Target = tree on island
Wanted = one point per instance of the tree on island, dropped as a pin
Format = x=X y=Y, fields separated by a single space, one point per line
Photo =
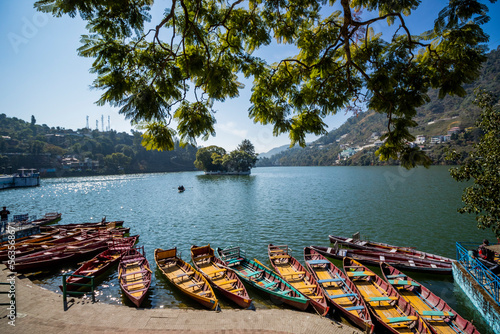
x=199 y=48
x=483 y=197
x=215 y=159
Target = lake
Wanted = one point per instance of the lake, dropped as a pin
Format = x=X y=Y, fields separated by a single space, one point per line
x=297 y=206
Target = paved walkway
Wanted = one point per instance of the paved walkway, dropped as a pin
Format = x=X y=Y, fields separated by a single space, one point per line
x=41 y=311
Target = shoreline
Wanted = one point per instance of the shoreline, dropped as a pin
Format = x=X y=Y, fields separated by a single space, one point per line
x=42 y=311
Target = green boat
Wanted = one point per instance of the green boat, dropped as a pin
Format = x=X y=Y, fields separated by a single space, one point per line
x=262 y=278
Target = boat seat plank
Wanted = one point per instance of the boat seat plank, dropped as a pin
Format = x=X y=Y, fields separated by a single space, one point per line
x=294 y=273
x=217 y=271
x=359 y=273
x=185 y=274
x=401 y=319
x=354 y=308
x=280 y=257
x=437 y=313
x=236 y=290
x=202 y=257
x=315 y=297
x=328 y=280
x=195 y=284
x=396 y=276
x=231 y=281
x=403 y=282
x=270 y=284
x=134 y=273
x=307 y=286
x=343 y=295
x=380 y=299
x=318 y=262
x=255 y=273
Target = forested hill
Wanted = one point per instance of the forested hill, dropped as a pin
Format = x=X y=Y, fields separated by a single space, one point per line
x=356 y=140
x=55 y=151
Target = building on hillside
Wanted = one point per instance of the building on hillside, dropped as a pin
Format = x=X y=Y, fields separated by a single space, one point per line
x=436 y=139
x=420 y=139
x=454 y=130
x=349 y=152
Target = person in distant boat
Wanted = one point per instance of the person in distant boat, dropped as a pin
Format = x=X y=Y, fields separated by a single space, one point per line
x=180 y=188
x=4 y=217
x=484 y=252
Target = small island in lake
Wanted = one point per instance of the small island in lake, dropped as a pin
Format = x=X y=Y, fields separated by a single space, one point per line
x=214 y=160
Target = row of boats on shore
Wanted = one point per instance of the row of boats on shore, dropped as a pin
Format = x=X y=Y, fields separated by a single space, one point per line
x=394 y=300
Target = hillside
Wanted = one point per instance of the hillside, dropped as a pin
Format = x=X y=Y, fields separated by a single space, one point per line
x=58 y=152
x=355 y=142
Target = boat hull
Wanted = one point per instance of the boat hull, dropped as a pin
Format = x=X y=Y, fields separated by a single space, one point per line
x=297 y=276
x=212 y=268
x=374 y=258
x=185 y=278
x=134 y=275
x=264 y=280
x=436 y=312
x=325 y=271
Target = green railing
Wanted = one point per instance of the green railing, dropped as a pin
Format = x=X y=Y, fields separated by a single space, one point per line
x=482 y=274
x=77 y=293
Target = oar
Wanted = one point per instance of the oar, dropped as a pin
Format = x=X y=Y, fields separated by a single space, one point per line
x=263 y=265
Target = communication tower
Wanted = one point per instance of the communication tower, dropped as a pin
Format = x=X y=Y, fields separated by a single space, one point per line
x=87 y=122
x=102 y=123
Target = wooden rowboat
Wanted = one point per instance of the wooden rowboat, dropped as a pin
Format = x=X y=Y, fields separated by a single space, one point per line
x=341 y=292
x=434 y=310
x=294 y=273
x=48 y=218
x=382 y=247
x=262 y=278
x=222 y=279
x=134 y=275
x=185 y=278
x=374 y=258
x=100 y=263
x=386 y=305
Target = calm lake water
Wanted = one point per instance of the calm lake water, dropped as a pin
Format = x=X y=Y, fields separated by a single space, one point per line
x=298 y=206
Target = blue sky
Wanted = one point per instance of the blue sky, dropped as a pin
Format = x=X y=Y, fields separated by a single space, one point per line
x=42 y=75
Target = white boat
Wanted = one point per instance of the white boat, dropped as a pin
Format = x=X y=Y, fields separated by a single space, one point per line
x=24 y=178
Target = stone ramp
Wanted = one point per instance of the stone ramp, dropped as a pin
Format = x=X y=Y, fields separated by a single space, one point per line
x=41 y=311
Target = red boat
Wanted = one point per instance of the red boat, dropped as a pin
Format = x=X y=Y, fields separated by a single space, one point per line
x=134 y=275
x=434 y=310
x=390 y=309
x=374 y=258
x=100 y=263
x=223 y=280
x=382 y=247
x=341 y=293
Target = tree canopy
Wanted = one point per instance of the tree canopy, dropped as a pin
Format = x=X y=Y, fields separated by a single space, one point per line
x=194 y=55
x=215 y=159
x=483 y=196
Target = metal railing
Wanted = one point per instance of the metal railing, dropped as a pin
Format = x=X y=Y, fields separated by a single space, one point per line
x=77 y=293
x=486 y=279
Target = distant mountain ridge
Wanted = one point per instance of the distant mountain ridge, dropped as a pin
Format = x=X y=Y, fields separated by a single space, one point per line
x=434 y=119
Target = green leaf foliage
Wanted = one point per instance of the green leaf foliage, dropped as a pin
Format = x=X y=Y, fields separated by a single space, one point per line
x=193 y=57
x=482 y=167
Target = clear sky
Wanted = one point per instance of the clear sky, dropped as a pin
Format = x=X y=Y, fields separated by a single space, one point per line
x=42 y=75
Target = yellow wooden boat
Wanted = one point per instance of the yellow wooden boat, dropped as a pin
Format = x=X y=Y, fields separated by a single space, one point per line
x=184 y=277
x=386 y=305
x=434 y=310
x=294 y=273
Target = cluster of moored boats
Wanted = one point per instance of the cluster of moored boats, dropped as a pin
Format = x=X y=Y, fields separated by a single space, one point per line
x=394 y=300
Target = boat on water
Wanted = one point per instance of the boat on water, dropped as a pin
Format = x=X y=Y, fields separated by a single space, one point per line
x=292 y=271
x=100 y=263
x=374 y=258
x=222 y=279
x=390 y=309
x=48 y=218
x=134 y=275
x=341 y=292
x=262 y=278
x=383 y=247
x=23 y=178
x=434 y=310
x=184 y=277
x=181 y=189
